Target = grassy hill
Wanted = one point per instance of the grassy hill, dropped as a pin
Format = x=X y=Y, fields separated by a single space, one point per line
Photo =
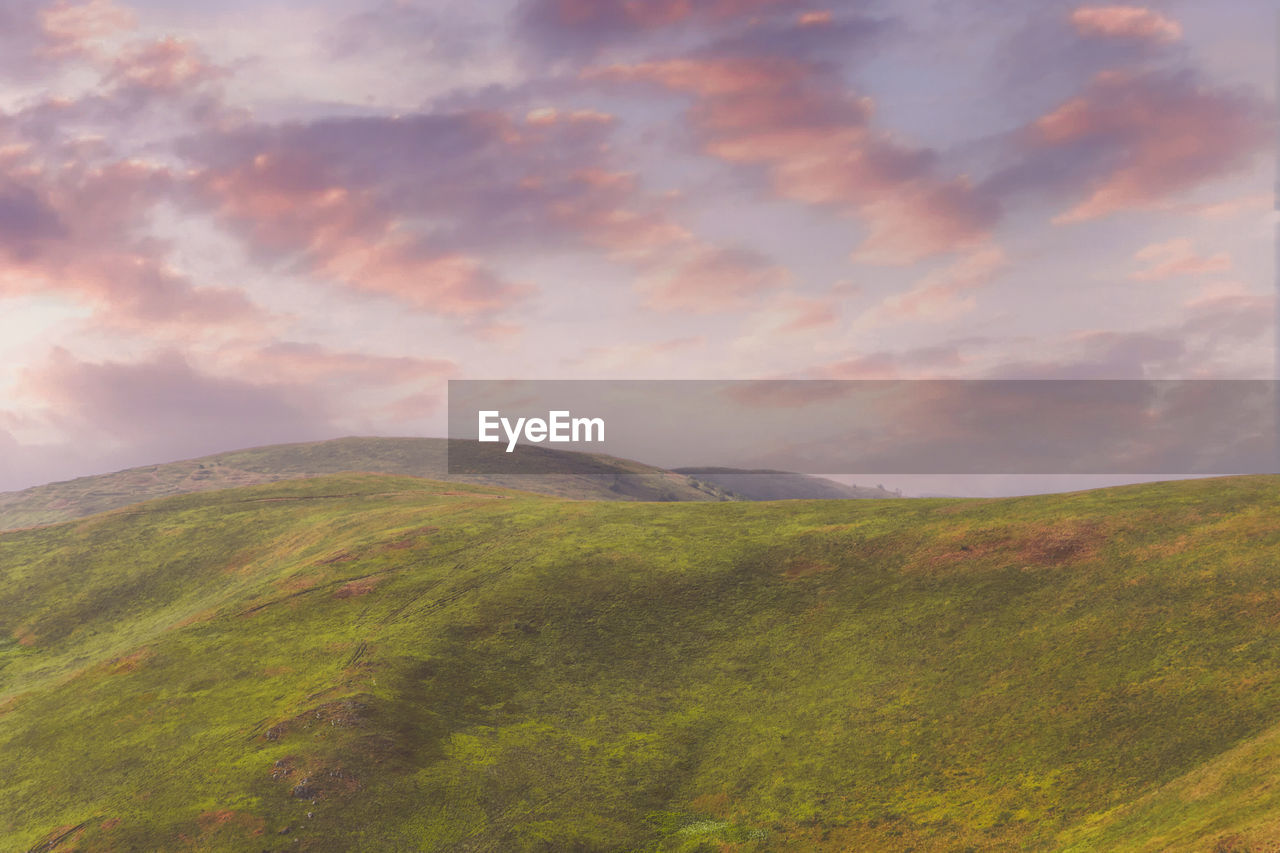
x=381 y=663
x=766 y=485
x=596 y=478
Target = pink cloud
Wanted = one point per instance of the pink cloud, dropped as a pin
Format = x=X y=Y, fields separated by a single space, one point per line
x=408 y=208
x=818 y=146
x=550 y=115
x=1248 y=204
x=949 y=291
x=286 y=202
x=112 y=413
x=1132 y=22
x=1148 y=134
x=78 y=29
x=929 y=362
x=1226 y=331
x=163 y=407
x=714 y=279
x=630 y=355
x=606 y=210
x=284 y=361
x=590 y=22
x=163 y=65
x=74 y=231
x=449 y=284
x=1176 y=258
x=814 y=19
x=1250 y=309
x=799 y=314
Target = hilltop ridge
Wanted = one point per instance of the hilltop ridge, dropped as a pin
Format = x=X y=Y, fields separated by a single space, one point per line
x=595 y=477
x=601 y=477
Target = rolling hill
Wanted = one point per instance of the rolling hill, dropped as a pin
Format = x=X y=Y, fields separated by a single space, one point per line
x=596 y=478
x=366 y=662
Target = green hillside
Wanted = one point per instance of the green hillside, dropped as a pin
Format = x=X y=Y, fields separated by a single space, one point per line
x=374 y=663
x=596 y=477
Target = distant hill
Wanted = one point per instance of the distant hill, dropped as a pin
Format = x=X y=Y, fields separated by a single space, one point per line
x=765 y=485
x=378 y=663
x=599 y=477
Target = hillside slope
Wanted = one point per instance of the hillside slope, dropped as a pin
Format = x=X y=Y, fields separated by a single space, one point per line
x=379 y=663
x=600 y=477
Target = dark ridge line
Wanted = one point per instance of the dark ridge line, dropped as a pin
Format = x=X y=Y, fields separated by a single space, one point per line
x=315 y=588
x=45 y=846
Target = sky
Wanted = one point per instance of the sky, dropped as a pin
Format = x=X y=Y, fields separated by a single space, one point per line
x=241 y=223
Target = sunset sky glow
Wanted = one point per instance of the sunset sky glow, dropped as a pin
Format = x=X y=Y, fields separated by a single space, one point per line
x=234 y=224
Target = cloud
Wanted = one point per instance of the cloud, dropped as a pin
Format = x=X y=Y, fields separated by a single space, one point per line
x=409 y=29
x=795 y=313
x=1176 y=258
x=1135 y=139
x=631 y=356
x=1229 y=312
x=1248 y=204
x=807 y=36
x=947 y=292
x=1226 y=331
x=817 y=145
x=142 y=83
x=77 y=191
x=164 y=408
x=26 y=220
x=604 y=209
x=38 y=38
x=289 y=361
x=79 y=29
x=113 y=413
x=408 y=207
x=1127 y=22
x=75 y=231
x=1223 y=330
x=340 y=199
x=585 y=26
x=714 y=279
x=927 y=362
x=163 y=65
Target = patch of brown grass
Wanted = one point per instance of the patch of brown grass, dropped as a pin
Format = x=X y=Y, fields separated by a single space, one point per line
x=712 y=804
x=249 y=826
x=195 y=618
x=1064 y=541
x=357 y=588
x=1032 y=545
x=349 y=712
x=803 y=567
x=129 y=662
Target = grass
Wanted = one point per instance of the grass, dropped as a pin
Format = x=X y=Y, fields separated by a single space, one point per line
x=384 y=663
